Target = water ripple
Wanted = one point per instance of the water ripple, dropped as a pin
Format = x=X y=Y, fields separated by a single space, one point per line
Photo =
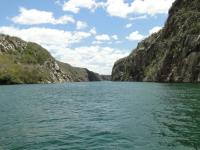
x=100 y=116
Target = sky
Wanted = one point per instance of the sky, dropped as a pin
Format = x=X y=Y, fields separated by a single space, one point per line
x=85 y=33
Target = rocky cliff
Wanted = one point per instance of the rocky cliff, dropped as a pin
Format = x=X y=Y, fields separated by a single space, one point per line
x=25 y=62
x=172 y=54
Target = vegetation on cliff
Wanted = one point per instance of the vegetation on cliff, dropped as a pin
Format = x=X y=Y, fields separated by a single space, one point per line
x=26 y=62
x=172 y=54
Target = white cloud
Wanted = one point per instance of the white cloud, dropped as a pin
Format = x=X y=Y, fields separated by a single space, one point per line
x=115 y=37
x=102 y=37
x=119 y=42
x=81 y=25
x=151 y=7
x=46 y=36
x=105 y=39
x=34 y=16
x=138 y=17
x=78 y=36
x=75 y=5
x=58 y=43
x=97 y=42
x=58 y=2
x=93 y=31
x=135 y=36
x=128 y=25
x=155 y=29
x=119 y=8
x=96 y=58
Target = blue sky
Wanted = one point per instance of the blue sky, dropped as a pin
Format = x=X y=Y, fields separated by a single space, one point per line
x=85 y=33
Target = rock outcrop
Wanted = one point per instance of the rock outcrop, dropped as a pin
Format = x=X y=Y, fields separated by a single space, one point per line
x=172 y=54
x=25 y=62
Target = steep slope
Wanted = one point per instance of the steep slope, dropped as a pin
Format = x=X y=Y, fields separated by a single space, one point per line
x=80 y=74
x=172 y=54
x=26 y=62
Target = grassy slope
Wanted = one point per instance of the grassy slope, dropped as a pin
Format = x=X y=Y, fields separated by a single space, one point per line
x=34 y=64
x=24 y=66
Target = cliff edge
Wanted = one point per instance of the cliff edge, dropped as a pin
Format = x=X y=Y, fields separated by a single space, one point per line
x=171 y=55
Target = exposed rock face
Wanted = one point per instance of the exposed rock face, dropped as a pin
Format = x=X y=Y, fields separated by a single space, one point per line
x=25 y=62
x=172 y=54
x=82 y=74
x=106 y=77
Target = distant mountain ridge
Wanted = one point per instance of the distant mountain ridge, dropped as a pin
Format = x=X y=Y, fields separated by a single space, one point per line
x=26 y=63
x=172 y=54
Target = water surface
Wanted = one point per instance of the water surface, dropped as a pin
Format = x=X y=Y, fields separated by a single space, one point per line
x=100 y=116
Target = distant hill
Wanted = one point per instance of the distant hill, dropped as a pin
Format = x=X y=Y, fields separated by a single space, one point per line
x=27 y=63
x=172 y=54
